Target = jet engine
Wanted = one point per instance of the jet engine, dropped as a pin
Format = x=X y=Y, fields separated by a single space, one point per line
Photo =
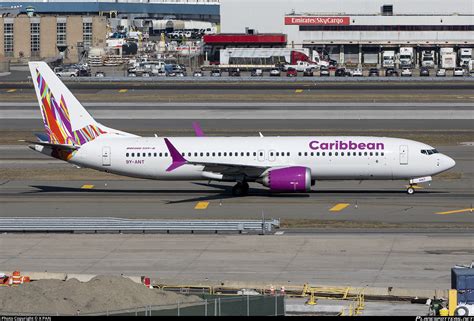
x=287 y=179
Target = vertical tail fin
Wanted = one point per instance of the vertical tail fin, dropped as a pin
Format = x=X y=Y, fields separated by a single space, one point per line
x=65 y=119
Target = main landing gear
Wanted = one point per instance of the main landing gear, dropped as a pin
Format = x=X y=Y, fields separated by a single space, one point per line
x=240 y=189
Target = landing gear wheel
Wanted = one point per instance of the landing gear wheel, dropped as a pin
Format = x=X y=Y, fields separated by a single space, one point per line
x=240 y=189
x=410 y=190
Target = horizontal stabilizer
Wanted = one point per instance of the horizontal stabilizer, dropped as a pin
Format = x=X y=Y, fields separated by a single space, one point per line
x=58 y=146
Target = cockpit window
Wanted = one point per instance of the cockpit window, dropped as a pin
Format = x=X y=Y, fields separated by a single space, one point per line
x=429 y=151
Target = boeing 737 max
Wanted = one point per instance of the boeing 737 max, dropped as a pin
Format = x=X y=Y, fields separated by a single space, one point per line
x=284 y=164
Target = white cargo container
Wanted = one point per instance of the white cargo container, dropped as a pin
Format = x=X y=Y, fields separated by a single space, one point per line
x=448 y=60
x=465 y=55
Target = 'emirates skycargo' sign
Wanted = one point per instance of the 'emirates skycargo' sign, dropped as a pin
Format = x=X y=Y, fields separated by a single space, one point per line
x=311 y=21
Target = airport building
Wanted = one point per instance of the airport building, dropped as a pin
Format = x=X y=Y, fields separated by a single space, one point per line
x=355 y=31
x=48 y=29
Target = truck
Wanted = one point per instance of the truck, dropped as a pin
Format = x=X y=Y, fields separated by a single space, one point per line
x=448 y=60
x=465 y=55
x=267 y=58
x=406 y=57
x=427 y=58
x=388 y=59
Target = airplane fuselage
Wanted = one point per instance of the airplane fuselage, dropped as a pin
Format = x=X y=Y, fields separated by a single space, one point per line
x=328 y=158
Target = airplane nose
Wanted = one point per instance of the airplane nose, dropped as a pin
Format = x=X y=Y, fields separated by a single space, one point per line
x=450 y=163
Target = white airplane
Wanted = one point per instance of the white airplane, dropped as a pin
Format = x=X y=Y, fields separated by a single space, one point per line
x=284 y=164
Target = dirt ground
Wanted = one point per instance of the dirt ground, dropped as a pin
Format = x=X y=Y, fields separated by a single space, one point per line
x=72 y=297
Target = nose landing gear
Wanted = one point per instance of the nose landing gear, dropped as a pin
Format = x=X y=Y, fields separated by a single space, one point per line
x=411 y=190
x=240 y=189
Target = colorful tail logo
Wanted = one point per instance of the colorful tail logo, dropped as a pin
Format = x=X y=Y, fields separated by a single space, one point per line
x=57 y=122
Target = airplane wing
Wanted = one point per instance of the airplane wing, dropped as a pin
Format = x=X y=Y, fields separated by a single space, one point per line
x=231 y=169
x=221 y=168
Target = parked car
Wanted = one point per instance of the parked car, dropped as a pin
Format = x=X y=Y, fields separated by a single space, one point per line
x=197 y=73
x=424 y=72
x=275 y=72
x=374 y=72
x=458 y=72
x=406 y=72
x=308 y=73
x=324 y=71
x=357 y=73
x=441 y=72
x=100 y=74
x=215 y=73
x=66 y=72
x=332 y=64
x=234 y=72
x=256 y=72
x=390 y=72
x=291 y=72
x=342 y=72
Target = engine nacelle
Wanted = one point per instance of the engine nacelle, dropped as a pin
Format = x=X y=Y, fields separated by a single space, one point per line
x=288 y=179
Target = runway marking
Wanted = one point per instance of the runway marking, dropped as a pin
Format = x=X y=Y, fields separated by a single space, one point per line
x=11 y=90
x=297 y=91
x=339 y=207
x=87 y=186
x=123 y=90
x=201 y=205
x=456 y=211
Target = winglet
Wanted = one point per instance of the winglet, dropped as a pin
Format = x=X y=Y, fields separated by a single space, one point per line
x=178 y=159
x=197 y=129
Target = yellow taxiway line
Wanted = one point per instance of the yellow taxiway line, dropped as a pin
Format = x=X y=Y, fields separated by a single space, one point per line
x=87 y=186
x=201 y=205
x=339 y=207
x=123 y=90
x=456 y=211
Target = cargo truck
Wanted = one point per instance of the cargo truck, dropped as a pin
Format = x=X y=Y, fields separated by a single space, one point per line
x=465 y=55
x=406 y=57
x=427 y=58
x=448 y=60
x=388 y=59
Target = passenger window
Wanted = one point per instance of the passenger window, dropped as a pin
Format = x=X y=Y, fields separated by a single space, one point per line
x=254 y=153
x=133 y=154
x=126 y=154
x=299 y=153
x=365 y=154
x=219 y=154
x=336 y=153
x=213 y=154
x=207 y=154
x=225 y=153
x=324 y=153
x=277 y=154
x=371 y=154
x=261 y=153
x=166 y=154
x=161 y=154
x=342 y=153
x=330 y=154
x=376 y=153
x=248 y=154
x=381 y=154
x=305 y=153
x=288 y=154
x=154 y=154
x=360 y=153
x=183 y=154
x=312 y=154
x=271 y=153
x=317 y=154
x=230 y=154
